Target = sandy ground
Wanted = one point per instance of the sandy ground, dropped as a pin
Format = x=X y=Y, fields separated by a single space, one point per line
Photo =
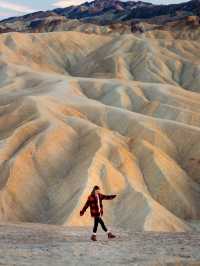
x=34 y=244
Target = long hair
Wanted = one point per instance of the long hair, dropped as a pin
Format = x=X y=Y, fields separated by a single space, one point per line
x=94 y=189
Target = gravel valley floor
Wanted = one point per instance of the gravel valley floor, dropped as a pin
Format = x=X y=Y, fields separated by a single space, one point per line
x=35 y=244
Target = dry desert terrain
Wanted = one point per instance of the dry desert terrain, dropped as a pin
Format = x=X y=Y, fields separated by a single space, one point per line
x=82 y=109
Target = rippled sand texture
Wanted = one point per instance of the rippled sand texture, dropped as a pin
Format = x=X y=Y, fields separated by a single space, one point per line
x=122 y=112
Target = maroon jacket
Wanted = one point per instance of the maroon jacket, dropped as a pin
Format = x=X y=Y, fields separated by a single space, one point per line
x=92 y=202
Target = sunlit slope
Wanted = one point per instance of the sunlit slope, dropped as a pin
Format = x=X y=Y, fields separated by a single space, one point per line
x=78 y=110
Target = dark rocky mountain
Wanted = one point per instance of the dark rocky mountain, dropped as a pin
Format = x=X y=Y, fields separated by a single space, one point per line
x=103 y=13
x=106 y=11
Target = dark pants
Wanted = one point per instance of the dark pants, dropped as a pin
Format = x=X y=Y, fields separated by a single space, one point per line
x=98 y=220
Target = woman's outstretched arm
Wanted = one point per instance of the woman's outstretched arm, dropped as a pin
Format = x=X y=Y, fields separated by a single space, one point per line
x=108 y=197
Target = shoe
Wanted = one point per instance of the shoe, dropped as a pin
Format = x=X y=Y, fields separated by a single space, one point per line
x=110 y=235
x=93 y=238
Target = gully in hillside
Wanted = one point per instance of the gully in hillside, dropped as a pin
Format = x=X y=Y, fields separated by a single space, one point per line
x=96 y=210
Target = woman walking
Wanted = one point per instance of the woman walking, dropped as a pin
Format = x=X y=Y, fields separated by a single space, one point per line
x=96 y=210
